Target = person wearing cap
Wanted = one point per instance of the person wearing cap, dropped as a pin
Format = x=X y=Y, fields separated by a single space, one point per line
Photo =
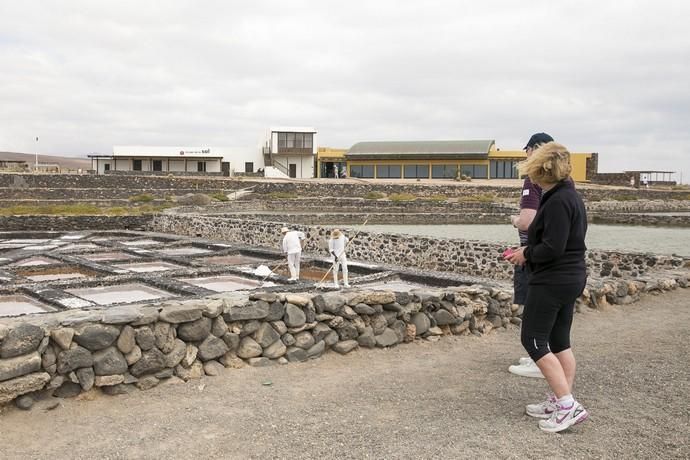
x=292 y=246
x=529 y=204
x=336 y=246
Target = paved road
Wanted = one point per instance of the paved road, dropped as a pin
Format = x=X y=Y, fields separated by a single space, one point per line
x=450 y=399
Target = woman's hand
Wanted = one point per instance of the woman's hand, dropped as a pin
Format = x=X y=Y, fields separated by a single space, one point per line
x=517 y=257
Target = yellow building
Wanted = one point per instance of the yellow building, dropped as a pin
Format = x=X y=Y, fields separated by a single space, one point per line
x=328 y=160
x=479 y=159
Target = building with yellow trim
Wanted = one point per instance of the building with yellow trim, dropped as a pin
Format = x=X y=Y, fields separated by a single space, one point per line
x=478 y=159
x=328 y=160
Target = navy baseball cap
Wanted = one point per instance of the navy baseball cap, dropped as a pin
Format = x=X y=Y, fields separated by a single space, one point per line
x=538 y=139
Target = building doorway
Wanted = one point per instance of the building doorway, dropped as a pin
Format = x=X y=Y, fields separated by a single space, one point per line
x=158 y=165
x=249 y=167
x=293 y=170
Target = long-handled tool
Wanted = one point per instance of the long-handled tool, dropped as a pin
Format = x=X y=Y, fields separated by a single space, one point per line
x=320 y=283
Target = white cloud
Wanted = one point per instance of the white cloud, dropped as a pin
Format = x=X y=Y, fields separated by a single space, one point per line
x=599 y=76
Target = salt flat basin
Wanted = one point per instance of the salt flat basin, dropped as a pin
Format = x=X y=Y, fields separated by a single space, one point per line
x=121 y=293
x=11 y=305
x=26 y=241
x=184 y=251
x=225 y=283
x=40 y=273
x=56 y=276
x=107 y=256
x=233 y=259
x=72 y=237
x=77 y=247
x=34 y=261
x=141 y=243
x=146 y=267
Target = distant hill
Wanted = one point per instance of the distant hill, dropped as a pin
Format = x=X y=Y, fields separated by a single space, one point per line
x=64 y=162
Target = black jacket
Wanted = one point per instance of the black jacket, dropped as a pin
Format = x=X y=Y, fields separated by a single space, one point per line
x=555 y=250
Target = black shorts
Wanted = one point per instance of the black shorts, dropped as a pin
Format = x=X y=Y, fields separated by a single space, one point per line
x=547 y=318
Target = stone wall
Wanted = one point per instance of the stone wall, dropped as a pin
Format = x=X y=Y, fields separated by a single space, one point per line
x=114 y=182
x=113 y=172
x=620 y=179
x=76 y=223
x=81 y=187
x=471 y=258
x=122 y=347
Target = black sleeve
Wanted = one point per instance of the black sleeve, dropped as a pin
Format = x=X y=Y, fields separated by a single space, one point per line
x=555 y=235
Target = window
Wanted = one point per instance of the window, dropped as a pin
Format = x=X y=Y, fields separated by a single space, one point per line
x=106 y=167
x=308 y=140
x=201 y=166
x=158 y=165
x=282 y=140
x=136 y=165
x=291 y=140
x=248 y=167
x=363 y=171
x=388 y=171
x=475 y=171
x=503 y=169
x=299 y=140
x=416 y=171
x=444 y=171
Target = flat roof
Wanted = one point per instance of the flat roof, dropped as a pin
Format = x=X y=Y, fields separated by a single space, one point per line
x=293 y=129
x=471 y=149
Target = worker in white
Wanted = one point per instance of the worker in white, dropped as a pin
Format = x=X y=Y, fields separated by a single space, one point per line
x=292 y=246
x=336 y=246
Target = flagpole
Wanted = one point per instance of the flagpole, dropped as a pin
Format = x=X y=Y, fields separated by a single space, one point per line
x=36 y=167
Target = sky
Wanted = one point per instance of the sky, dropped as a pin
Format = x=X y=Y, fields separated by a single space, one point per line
x=599 y=76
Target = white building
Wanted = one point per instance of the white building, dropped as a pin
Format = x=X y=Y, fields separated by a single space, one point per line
x=178 y=160
x=291 y=150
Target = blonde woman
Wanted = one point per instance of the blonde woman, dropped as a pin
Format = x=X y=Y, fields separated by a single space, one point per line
x=555 y=255
x=336 y=246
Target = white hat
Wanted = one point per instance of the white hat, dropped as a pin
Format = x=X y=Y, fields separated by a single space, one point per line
x=284 y=230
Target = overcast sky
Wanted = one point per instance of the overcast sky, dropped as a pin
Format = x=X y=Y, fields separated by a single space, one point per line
x=603 y=76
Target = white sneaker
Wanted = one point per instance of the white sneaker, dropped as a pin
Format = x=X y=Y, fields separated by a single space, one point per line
x=346 y=286
x=526 y=370
x=525 y=361
x=543 y=409
x=336 y=285
x=564 y=417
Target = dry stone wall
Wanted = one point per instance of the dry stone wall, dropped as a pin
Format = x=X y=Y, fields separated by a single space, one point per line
x=73 y=223
x=139 y=346
x=122 y=348
x=472 y=258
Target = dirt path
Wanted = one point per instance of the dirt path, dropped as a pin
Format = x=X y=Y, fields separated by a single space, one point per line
x=450 y=399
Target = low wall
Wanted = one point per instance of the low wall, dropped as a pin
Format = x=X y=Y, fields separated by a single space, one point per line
x=114 y=182
x=76 y=223
x=88 y=194
x=640 y=219
x=122 y=347
x=472 y=258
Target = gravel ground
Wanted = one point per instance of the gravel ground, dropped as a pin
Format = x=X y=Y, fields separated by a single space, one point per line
x=449 y=399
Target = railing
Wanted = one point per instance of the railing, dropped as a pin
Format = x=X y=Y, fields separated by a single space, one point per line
x=280 y=167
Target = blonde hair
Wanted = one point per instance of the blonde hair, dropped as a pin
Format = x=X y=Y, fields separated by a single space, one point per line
x=548 y=164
